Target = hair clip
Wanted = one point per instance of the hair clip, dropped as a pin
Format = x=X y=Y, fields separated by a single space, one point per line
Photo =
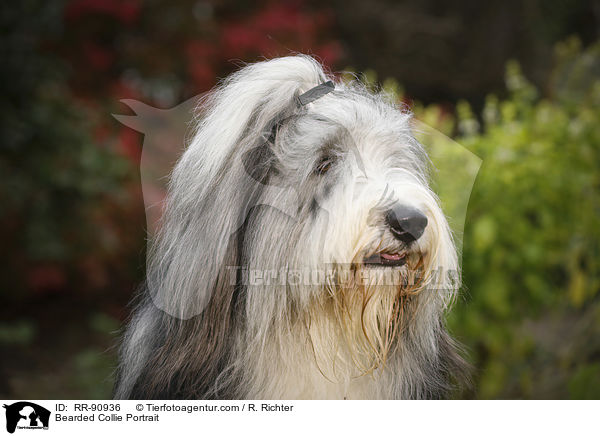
x=315 y=93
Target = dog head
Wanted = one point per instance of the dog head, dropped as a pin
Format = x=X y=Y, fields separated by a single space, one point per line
x=298 y=218
x=275 y=182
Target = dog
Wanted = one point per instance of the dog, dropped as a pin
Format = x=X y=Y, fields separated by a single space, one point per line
x=301 y=253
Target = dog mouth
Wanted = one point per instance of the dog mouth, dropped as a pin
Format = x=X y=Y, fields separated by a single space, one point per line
x=386 y=259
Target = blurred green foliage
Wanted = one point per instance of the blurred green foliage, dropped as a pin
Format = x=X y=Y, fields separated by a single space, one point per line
x=532 y=243
x=530 y=309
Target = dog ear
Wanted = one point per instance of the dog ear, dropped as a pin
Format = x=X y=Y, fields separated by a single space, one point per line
x=213 y=187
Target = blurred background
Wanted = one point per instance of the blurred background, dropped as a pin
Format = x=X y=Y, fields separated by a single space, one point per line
x=517 y=83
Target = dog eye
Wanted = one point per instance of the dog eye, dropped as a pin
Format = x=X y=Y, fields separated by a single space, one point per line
x=324 y=165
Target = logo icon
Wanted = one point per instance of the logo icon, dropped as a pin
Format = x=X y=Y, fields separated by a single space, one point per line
x=26 y=415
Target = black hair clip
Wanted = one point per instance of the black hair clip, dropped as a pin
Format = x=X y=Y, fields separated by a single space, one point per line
x=315 y=93
x=303 y=99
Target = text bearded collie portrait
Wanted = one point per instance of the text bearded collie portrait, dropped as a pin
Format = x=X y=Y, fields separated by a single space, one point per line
x=301 y=253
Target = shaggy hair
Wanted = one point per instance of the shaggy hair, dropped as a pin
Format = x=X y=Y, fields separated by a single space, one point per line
x=259 y=283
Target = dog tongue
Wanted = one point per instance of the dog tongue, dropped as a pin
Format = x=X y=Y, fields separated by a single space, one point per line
x=394 y=256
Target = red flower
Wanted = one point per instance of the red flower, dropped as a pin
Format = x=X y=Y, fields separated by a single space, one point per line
x=239 y=40
x=98 y=57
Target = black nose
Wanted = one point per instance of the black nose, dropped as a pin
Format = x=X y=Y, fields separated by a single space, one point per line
x=407 y=224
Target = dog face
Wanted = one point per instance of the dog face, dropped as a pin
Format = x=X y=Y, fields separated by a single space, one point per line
x=359 y=179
